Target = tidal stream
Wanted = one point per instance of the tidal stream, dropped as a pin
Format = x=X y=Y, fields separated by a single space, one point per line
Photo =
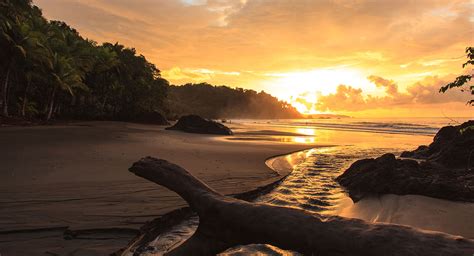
x=310 y=186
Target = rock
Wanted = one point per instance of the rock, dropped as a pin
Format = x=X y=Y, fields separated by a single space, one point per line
x=151 y=118
x=197 y=124
x=388 y=175
x=453 y=147
x=420 y=153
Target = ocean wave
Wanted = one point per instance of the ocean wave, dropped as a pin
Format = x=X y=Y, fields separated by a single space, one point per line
x=361 y=126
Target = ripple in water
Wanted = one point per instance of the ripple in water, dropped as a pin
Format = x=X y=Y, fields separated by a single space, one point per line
x=311 y=186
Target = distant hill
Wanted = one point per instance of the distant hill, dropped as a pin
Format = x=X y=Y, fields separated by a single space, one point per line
x=224 y=102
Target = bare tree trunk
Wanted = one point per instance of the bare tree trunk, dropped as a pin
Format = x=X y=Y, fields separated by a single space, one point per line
x=5 y=93
x=25 y=99
x=103 y=104
x=58 y=110
x=73 y=100
x=225 y=222
x=51 y=104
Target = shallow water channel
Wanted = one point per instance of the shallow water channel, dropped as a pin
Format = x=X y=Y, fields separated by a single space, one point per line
x=310 y=186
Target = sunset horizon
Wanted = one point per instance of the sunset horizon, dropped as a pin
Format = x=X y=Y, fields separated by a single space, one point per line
x=236 y=127
x=314 y=55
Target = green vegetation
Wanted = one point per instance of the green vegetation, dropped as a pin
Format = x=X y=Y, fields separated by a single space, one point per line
x=47 y=70
x=221 y=101
x=461 y=81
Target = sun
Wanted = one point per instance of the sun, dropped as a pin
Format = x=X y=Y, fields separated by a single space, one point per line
x=303 y=88
x=305 y=103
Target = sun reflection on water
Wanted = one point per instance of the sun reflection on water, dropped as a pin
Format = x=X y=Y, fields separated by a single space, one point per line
x=306 y=131
x=304 y=140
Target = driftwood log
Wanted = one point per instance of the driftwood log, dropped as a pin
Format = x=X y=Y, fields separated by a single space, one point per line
x=225 y=222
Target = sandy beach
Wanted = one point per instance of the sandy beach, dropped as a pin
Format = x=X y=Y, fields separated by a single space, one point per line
x=66 y=189
x=75 y=177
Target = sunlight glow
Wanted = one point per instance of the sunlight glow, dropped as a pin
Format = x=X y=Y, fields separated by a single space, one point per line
x=302 y=88
x=304 y=140
x=306 y=131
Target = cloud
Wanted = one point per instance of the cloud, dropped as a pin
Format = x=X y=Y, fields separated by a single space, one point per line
x=274 y=35
x=390 y=86
x=346 y=97
x=426 y=91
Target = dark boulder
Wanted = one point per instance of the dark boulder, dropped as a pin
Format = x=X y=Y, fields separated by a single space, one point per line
x=453 y=147
x=422 y=152
x=197 y=124
x=388 y=175
x=151 y=118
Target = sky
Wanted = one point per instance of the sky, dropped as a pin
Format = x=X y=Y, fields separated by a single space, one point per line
x=362 y=58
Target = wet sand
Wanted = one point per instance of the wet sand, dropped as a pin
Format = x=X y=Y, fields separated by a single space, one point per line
x=74 y=177
x=417 y=211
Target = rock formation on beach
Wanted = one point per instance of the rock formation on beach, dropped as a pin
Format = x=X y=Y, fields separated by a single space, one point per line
x=445 y=170
x=388 y=175
x=197 y=124
x=453 y=147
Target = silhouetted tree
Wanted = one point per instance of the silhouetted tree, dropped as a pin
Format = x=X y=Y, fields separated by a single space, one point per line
x=47 y=69
x=461 y=81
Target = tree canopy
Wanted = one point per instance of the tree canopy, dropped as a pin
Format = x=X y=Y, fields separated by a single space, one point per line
x=224 y=102
x=463 y=80
x=48 y=69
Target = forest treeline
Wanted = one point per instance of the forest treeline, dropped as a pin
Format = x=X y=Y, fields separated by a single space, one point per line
x=48 y=70
x=222 y=101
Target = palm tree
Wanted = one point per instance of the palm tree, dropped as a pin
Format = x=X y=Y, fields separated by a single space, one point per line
x=13 y=40
x=13 y=43
x=37 y=55
x=64 y=77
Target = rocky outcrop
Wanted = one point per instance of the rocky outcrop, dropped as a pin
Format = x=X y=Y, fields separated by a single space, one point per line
x=151 y=118
x=388 y=175
x=197 y=124
x=445 y=170
x=453 y=147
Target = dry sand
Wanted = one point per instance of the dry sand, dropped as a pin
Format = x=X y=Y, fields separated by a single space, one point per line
x=75 y=177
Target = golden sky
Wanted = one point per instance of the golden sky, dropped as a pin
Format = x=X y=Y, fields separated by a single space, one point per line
x=356 y=57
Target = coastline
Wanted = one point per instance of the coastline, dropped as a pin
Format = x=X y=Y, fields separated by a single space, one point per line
x=281 y=163
x=428 y=214
x=75 y=181
x=67 y=186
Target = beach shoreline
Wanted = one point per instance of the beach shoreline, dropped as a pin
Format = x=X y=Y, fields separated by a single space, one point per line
x=185 y=219
x=66 y=186
x=74 y=178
